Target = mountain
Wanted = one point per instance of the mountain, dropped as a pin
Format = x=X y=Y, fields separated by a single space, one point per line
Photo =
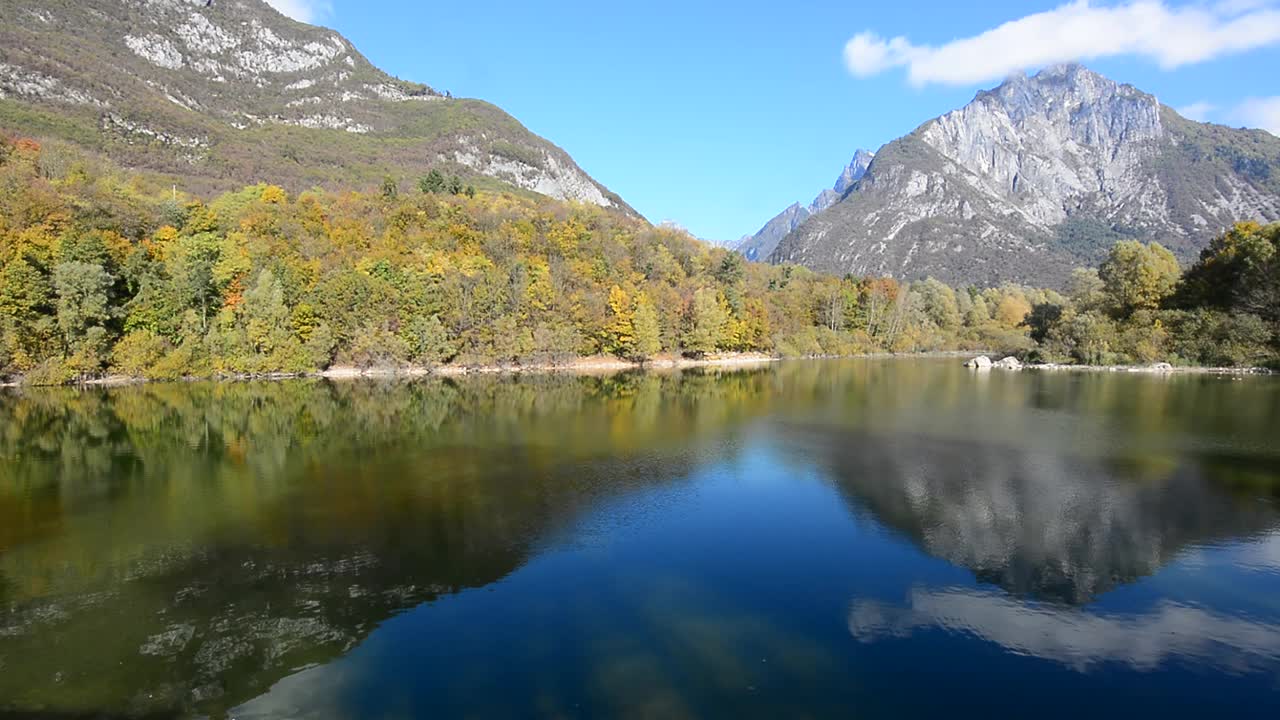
x=217 y=95
x=1040 y=175
x=760 y=245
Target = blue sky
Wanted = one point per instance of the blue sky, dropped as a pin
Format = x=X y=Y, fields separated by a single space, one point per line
x=717 y=116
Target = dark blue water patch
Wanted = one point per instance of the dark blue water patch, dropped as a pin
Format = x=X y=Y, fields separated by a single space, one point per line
x=769 y=595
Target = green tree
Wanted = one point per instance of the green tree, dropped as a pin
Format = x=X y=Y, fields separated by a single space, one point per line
x=1232 y=263
x=978 y=314
x=939 y=304
x=26 y=313
x=429 y=342
x=84 y=301
x=191 y=262
x=1042 y=319
x=648 y=334
x=706 y=322
x=1086 y=290
x=432 y=182
x=266 y=318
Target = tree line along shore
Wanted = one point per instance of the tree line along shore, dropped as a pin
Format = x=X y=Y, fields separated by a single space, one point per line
x=105 y=272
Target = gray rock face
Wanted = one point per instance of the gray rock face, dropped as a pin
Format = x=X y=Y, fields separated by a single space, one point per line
x=1038 y=176
x=760 y=245
x=982 y=362
x=234 y=93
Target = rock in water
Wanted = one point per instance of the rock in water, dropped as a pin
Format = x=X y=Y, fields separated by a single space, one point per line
x=1009 y=363
x=982 y=362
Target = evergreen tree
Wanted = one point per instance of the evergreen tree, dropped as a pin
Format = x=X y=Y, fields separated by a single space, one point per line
x=432 y=182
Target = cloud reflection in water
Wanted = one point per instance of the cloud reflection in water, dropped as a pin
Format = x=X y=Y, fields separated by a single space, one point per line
x=1079 y=639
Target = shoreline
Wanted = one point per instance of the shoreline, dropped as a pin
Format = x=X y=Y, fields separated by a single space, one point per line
x=1159 y=368
x=589 y=366
x=1151 y=369
x=579 y=366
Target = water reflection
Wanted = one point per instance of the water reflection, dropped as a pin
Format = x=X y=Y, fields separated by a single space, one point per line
x=264 y=548
x=1079 y=639
x=222 y=536
x=1050 y=526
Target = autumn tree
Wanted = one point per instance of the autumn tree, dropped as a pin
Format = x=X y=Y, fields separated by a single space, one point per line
x=619 y=336
x=939 y=304
x=1012 y=310
x=266 y=318
x=648 y=334
x=390 y=188
x=706 y=322
x=26 y=313
x=1137 y=276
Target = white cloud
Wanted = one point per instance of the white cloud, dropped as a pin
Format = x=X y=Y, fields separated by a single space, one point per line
x=307 y=11
x=1198 y=111
x=1081 y=30
x=1260 y=113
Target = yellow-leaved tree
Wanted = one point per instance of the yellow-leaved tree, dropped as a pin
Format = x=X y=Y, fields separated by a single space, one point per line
x=648 y=334
x=619 y=333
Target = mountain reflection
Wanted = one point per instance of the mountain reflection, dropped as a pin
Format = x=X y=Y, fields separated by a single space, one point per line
x=182 y=548
x=1075 y=638
x=1043 y=523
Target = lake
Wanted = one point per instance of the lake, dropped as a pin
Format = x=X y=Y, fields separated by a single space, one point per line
x=843 y=538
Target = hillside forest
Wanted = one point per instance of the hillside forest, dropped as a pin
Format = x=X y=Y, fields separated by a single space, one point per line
x=104 y=271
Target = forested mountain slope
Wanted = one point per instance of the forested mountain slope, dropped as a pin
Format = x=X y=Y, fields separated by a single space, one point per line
x=218 y=95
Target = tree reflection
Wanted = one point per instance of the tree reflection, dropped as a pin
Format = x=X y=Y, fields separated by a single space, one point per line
x=218 y=536
x=183 y=547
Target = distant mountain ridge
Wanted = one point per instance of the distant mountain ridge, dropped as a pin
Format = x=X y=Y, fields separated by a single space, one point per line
x=219 y=95
x=1035 y=177
x=762 y=244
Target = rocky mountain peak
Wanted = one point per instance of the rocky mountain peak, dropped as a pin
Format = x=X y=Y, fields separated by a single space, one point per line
x=854 y=171
x=760 y=245
x=1035 y=176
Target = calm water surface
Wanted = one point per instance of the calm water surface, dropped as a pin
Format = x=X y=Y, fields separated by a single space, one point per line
x=879 y=538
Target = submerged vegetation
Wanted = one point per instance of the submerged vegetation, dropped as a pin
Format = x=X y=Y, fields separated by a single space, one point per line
x=102 y=273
